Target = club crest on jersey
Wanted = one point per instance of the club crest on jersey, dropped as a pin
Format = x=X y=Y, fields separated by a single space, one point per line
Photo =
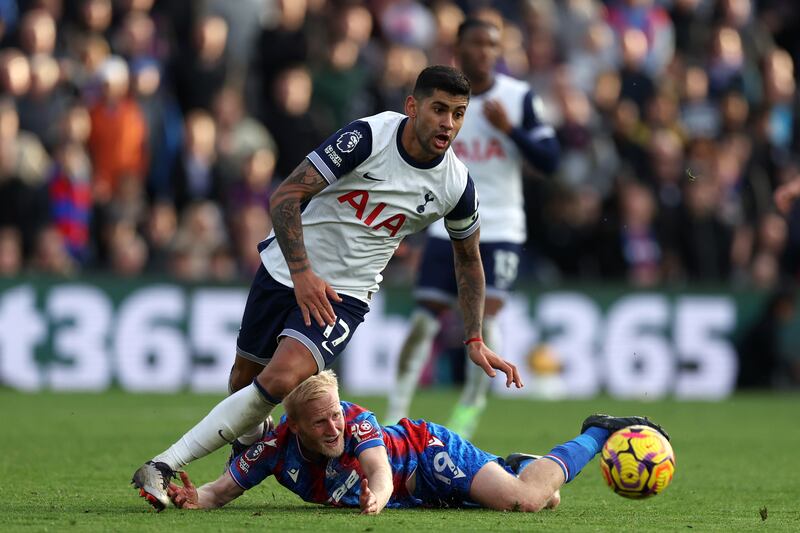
x=429 y=197
x=348 y=140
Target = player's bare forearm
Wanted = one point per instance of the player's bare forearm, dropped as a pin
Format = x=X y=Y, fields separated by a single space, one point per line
x=302 y=184
x=216 y=494
x=375 y=464
x=471 y=282
x=210 y=496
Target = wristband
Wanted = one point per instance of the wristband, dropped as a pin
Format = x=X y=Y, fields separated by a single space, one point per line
x=473 y=339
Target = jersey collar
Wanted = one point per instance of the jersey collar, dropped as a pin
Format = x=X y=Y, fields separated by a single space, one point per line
x=407 y=157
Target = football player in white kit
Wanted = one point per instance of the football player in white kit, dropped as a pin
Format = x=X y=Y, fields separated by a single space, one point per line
x=338 y=218
x=501 y=130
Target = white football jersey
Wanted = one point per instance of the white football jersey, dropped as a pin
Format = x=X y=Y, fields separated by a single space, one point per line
x=495 y=162
x=377 y=194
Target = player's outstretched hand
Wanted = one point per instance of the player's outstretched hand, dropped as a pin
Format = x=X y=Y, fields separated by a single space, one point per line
x=314 y=297
x=183 y=497
x=485 y=358
x=367 y=500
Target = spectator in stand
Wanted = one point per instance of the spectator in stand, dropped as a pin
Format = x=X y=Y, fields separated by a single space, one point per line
x=118 y=139
x=238 y=134
x=632 y=250
x=50 y=254
x=161 y=225
x=127 y=250
x=652 y=22
x=289 y=112
x=15 y=73
x=10 y=251
x=196 y=175
x=70 y=194
x=637 y=84
x=42 y=108
x=699 y=115
x=164 y=125
x=37 y=33
x=201 y=70
x=200 y=233
x=280 y=45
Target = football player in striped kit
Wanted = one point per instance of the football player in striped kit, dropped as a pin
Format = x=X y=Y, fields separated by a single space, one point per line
x=338 y=218
x=333 y=452
x=502 y=130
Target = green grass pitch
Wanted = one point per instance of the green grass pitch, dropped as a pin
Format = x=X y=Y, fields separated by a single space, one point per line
x=66 y=460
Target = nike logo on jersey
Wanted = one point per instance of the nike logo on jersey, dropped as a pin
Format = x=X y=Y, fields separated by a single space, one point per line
x=325 y=345
x=293 y=474
x=219 y=431
x=369 y=176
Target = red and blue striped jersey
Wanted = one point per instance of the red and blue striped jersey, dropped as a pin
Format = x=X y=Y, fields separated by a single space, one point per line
x=335 y=481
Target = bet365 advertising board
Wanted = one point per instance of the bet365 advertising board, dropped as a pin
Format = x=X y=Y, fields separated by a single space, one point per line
x=153 y=335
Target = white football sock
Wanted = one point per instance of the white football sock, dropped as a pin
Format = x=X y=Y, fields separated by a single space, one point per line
x=227 y=420
x=253 y=434
x=415 y=352
x=476 y=382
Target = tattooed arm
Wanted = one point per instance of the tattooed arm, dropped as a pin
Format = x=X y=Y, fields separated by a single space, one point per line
x=313 y=293
x=471 y=288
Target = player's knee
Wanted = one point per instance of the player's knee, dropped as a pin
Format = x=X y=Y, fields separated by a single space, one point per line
x=532 y=502
x=279 y=384
x=242 y=375
x=554 y=501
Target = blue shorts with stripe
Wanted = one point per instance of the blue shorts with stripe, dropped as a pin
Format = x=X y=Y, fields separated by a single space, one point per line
x=436 y=280
x=272 y=312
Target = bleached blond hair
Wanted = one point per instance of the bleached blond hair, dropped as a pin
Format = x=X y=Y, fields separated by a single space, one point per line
x=312 y=388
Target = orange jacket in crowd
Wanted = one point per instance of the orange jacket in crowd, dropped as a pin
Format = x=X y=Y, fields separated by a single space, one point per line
x=117 y=144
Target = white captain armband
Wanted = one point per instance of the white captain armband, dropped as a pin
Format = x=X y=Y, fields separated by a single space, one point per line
x=464 y=220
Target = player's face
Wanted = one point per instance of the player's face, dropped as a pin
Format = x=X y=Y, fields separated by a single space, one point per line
x=321 y=426
x=477 y=52
x=437 y=120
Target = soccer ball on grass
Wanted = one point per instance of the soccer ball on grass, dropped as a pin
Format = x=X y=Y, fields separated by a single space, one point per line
x=637 y=462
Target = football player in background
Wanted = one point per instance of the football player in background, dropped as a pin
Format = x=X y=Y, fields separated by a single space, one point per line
x=502 y=130
x=338 y=218
x=334 y=453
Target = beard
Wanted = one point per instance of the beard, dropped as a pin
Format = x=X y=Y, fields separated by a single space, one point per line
x=331 y=452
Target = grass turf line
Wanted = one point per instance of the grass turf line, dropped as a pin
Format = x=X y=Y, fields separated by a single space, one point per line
x=66 y=461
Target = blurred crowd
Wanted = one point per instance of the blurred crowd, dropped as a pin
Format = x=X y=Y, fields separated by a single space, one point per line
x=146 y=136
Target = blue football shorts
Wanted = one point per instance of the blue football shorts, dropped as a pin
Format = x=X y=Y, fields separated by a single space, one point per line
x=436 y=279
x=271 y=312
x=447 y=467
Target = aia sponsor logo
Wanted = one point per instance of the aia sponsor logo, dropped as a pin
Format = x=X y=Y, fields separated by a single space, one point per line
x=359 y=201
x=479 y=150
